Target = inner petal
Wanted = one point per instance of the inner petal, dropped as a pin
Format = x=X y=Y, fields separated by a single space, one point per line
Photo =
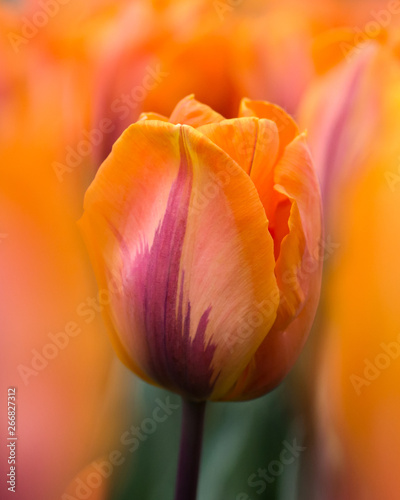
x=278 y=225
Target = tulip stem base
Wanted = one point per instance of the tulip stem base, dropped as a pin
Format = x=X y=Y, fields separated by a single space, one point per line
x=190 y=449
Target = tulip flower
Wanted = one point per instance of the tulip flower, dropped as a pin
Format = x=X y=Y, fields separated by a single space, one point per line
x=53 y=354
x=353 y=121
x=219 y=50
x=205 y=233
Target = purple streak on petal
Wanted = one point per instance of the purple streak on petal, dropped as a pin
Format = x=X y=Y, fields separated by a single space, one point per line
x=176 y=361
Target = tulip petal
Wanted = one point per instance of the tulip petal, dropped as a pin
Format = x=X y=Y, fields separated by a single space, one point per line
x=153 y=116
x=298 y=271
x=295 y=178
x=287 y=127
x=248 y=141
x=191 y=251
x=188 y=111
x=109 y=279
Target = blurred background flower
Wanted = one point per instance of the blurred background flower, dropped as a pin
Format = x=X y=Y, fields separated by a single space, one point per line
x=355 y=139
x=73 y=76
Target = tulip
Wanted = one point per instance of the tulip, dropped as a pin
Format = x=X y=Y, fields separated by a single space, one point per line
x=353 y=121
x=206 y=233
x=174 y=51
x=219 y=50
x=53 y=354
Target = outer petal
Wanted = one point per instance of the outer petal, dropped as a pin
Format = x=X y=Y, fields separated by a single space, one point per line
x=114 y=236
x=299 y=265
x=298 y=271
x=180 y=228
x=188 y=111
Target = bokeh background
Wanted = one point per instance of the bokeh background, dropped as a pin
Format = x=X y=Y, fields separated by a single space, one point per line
x=73 y=75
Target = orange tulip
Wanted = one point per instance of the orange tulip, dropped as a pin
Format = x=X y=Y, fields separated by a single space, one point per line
x=174 y=51
x=218 y=50
x=353 y=119
x=51 y=348
x=205 y=234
